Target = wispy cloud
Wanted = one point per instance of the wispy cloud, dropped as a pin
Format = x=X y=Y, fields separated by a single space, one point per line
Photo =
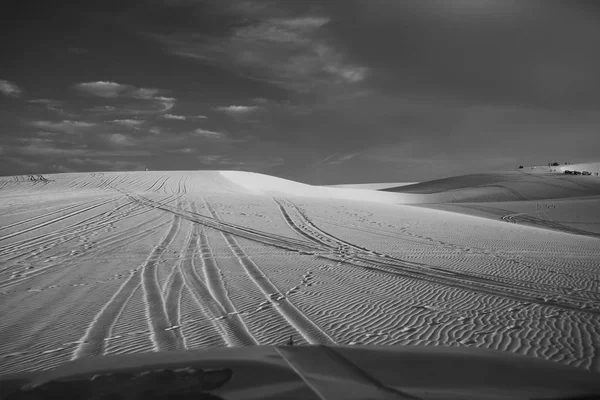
x=177 y=117
x=210 y=159
x=186 y=150
x=102 y=109
x=199 y=117
x=133 y=123
x=208 y=134
x=114 y=90
x=109 y=90
x=329 y=157
x=65 y=126
x=103 y=88
x=120 y=139
x=9 y=88
x=237 y=110
x=292 y=52
x=167 y=103
x=339 y=159
x=47 y=102
x=221 y=160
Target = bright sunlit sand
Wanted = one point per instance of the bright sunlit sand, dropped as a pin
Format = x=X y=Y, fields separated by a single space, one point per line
x=132 y=262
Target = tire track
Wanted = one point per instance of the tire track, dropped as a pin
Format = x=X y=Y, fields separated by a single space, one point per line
x=512 y=289
x=288 y=220
x=119 y=240
x=316 y=234
x=62 y=210
x=31 y=228
x=305 y=327
x=110 y=334
x=513 y=191
x=529 y=220
x=93 y=343
x=76 y=229
x=162 y=184
x=154 y=302
x=515 y=218
x=72 y=232
x=231 y=327
x=510 y=218
x=216 y=286
x=173 y=306
x=37 y=321
x=273 y=240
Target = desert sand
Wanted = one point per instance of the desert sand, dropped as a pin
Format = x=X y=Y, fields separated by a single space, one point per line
x=133 y=262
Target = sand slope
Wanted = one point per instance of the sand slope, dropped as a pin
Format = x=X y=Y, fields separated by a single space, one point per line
x=134 y=262
x=503 y=186
x=531 y=197
x=373 y=186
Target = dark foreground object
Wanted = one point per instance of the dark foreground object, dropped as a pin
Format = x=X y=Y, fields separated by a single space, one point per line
x=307 y=372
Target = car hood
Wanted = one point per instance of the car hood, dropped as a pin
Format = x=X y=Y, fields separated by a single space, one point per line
x=315 y=372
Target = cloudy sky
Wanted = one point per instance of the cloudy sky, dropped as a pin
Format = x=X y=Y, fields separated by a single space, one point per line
x=330 y=91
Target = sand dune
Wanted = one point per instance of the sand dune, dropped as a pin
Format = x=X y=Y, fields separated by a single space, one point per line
x=503 y=186
x=130 y=262
x=537 y=197
x=373 y=186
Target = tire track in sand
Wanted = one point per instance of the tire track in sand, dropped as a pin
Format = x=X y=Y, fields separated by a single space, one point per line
x=46 y=215
x=230 y=327
x=216 y=286
x=354 y=255
x=65 y=261
x=173 y=306
x=154 y=302
x=300 y=322
x=93 y=343
x=237 y=230
x=53 y=311
x=31 y=228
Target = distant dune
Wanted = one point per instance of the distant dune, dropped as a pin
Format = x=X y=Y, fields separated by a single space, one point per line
x=505 y=186
x=260 y=183
x=132 y=262
x=531 y=196
x=373 y=186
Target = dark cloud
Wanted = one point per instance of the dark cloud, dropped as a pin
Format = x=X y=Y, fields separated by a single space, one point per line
x=502 y=51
